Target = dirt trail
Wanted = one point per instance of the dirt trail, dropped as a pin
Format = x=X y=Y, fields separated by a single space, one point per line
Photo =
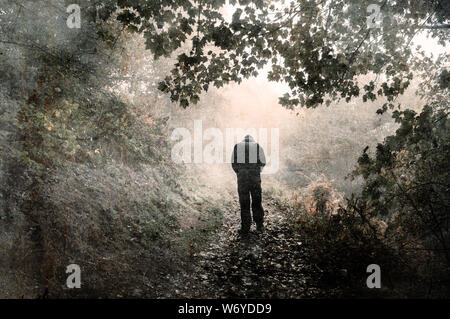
x=268 y=265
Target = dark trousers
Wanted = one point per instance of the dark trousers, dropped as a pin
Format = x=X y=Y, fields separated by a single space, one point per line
x=250 y=186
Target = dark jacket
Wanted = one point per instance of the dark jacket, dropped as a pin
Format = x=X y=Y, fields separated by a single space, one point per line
x=248 y=157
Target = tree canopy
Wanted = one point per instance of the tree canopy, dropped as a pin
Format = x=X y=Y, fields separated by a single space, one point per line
x=317 y=47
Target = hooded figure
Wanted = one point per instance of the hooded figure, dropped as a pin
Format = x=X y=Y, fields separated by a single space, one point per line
x=248 y=160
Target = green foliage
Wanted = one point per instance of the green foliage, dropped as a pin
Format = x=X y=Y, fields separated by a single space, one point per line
x=345 y=236
x=194 y=239
x=317 y=47
x=342 y=240
x=407 y=179
x=64 y=121
x=161 y=221
x=67 y=112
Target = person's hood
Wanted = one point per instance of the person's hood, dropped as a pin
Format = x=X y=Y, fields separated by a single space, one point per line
x=248 y=138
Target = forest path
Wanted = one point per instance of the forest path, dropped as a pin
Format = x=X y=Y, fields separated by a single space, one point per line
x=268 y=265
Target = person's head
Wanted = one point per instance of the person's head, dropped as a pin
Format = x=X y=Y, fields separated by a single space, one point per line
x=248 y=138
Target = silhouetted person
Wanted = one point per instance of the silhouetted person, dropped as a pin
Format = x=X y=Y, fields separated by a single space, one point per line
x=248 y=160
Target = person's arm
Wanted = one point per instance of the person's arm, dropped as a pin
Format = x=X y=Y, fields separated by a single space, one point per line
x=261 y=158
x=234 y=163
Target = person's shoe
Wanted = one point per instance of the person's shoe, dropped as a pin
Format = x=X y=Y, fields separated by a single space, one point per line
x=243 y=233
x=260 y=228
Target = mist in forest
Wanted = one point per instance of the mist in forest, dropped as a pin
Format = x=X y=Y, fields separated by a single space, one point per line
x=88 y=176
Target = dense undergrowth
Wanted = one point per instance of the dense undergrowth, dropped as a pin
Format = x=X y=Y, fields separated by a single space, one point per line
x=124 y=225
x=344 y=240
x=86 y=174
